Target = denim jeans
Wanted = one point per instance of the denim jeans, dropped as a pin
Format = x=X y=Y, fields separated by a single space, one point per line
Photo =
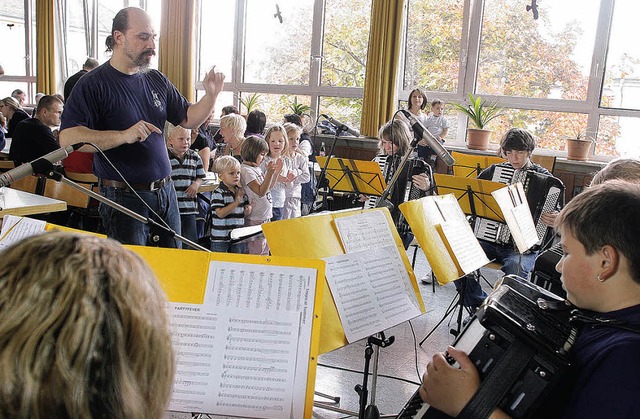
x=125 y=229
x=226 y=247
x=277 y=213
x=512 y=263
x=188 y=227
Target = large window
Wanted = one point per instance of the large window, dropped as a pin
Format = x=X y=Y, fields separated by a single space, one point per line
x=574 y=70
x=17 y=34
x=312 y=50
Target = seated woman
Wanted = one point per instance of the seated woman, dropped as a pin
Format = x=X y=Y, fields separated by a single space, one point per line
x=83 y=331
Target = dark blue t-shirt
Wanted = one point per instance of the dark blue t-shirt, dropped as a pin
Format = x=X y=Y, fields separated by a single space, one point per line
x=604 y=377
x=106 y=99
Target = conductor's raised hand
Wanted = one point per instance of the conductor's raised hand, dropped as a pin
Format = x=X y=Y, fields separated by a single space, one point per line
x=448 y=388
x=213 y=82
x=139 y=132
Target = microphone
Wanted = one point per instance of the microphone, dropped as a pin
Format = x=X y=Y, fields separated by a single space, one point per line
x=422 y=132
x=341 y=126
x=37 y=166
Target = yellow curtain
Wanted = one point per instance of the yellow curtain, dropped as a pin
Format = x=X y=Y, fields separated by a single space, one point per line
x=176 y=54
x=379 y=102
x=45 y=60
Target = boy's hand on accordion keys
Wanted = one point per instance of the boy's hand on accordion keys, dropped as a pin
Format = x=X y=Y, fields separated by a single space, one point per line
x=549 y=218
x=448 y=388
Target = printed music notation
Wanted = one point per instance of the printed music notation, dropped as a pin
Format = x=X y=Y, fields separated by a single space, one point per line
x=16 y=228
x=364 y=231
x=235 y=362
x=369 y=289
x=513 y=203
x=267 y=289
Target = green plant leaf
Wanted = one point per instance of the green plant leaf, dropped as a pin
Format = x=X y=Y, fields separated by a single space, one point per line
x=479 y=111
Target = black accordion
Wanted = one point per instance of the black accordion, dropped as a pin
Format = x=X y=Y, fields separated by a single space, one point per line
x=404 y=190
x=543 y=192
x=519 y=341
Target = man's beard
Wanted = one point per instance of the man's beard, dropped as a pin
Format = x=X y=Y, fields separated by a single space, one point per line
x=143 y=60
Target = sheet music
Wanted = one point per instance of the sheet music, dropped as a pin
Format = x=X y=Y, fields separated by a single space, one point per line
x=15 y=229
x=279 y=289
x=513 y=203
x=235 y=362
x=370 y=291
x=364 y=231
x=464 y=245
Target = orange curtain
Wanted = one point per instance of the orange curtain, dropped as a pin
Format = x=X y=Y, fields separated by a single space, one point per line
x=176 y=55
x=45 y=40
x=379 y=102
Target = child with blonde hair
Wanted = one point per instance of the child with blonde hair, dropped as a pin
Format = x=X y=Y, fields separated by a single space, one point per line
x=257 y=185
x=187 y=173
x=276 y=138
x=229 y=206
x=300 y=170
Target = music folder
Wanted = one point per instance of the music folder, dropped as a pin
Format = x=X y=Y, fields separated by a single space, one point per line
x=513 y=203
x=358 y=176
x=473 y=195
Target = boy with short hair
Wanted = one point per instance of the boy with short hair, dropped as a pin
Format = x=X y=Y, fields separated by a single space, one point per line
x=187 y=174
x=229 y=206
x=601 y=273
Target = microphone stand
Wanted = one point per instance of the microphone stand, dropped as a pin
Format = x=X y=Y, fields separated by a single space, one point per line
x=323 y=181
x=58 y=177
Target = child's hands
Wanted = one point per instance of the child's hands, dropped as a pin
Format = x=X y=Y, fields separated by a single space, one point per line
x=247 y=210
x=239 y=193
x=192 y=190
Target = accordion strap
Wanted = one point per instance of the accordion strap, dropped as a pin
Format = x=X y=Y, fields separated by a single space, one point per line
x=499 y=381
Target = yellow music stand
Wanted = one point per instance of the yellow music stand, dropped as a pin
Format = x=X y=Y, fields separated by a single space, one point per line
x=470 y=165
x=474 y=195
x=348 y=175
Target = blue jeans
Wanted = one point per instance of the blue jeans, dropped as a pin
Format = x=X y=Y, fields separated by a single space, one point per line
x=188 y=226
x=276 y=213
x=226 y=247
x=121 y=227
x=512 y=263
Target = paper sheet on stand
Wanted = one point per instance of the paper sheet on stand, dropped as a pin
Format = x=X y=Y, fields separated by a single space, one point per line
x=369 y=289
x=468 y=253
x=279 y=289
x=235 y=362
x=513 y=203
x=15 y=229
x=364 y=231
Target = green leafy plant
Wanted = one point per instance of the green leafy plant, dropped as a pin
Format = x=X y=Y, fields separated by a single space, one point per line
x=299 y=108
x=251 y=101
x=479 y=111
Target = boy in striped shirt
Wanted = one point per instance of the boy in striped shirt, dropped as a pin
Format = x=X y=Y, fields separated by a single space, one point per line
x=229 y=206
x=187 y=174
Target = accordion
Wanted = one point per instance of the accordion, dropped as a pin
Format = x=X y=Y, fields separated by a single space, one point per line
x=543 y=194
x=519 y=341
x=410 y=191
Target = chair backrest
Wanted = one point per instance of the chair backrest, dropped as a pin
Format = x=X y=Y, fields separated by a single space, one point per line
x=30 y=184
x=71 y=196
x=82 y=177
x=548 y=162
x=470 y=165
x=6 y=165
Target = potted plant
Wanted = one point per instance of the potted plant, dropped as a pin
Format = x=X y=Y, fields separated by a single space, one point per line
x=579 y=146
x=480 y=113
x=250 y=101
x=299 y=108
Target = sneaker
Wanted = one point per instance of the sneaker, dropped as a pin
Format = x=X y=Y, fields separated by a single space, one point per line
x=426 y=280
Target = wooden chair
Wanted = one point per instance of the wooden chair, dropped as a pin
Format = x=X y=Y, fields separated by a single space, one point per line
x=32 y=184
x=71 y=196
x=6 y=165
x=470 y=165
x=548 y=162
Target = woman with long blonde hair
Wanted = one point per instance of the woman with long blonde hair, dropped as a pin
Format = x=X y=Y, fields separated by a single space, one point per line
x=83 y=331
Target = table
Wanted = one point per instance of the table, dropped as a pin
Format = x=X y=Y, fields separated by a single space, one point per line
x=210 y=183
x=15 y=202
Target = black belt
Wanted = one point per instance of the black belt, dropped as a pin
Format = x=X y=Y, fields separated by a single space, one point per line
x=152 y=186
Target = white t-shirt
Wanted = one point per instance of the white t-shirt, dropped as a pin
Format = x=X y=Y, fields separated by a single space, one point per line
x=436 y=124
x=277 y=192
x=261 y=208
